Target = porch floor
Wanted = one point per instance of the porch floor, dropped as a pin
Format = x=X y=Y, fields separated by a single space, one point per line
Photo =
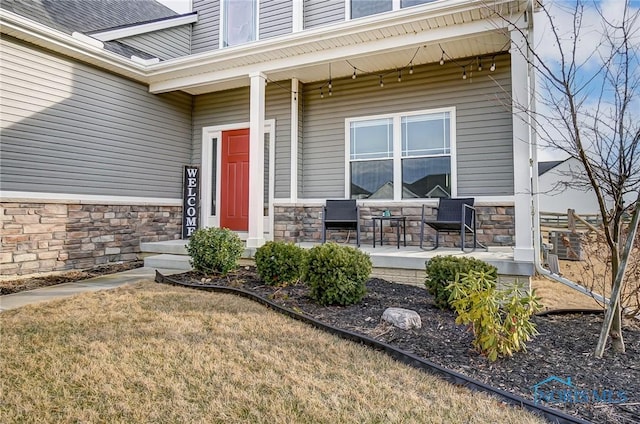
x=389 y=257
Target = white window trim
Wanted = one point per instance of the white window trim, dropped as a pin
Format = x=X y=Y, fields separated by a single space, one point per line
x=397 y=151
x=222 y=27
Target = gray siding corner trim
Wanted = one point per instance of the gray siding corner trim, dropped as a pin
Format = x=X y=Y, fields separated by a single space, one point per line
x=484 y=142
x=165 y=44
x=71 y=128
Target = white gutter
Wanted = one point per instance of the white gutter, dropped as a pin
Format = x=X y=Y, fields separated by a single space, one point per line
x=537 y=235
x=77 y=47
x=382 y=21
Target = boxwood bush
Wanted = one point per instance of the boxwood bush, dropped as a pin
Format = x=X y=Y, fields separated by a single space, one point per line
x=337 y=274
x=442 y=271
x=215 y=250
x=278 y=262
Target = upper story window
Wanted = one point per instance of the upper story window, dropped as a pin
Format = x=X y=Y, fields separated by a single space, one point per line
x=239 y=22
x=361 y=8
x=402 y=156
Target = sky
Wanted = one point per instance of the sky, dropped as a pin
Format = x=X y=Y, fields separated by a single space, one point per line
x=179 y=6
x=587 y=52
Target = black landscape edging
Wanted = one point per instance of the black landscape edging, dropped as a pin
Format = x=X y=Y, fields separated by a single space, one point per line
x=407 y=358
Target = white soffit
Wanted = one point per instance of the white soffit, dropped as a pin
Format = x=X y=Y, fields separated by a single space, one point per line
x=392 y=36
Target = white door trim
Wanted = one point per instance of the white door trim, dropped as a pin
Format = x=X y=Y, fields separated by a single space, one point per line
x=209 y=219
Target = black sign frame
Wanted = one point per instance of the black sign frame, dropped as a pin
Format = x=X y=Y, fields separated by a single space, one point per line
x=190 y=200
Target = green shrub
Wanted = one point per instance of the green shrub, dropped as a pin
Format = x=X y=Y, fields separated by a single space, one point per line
x=337 y=274
x=442 y=270
x=278 y=262
x=215 y=250
x=500 y=320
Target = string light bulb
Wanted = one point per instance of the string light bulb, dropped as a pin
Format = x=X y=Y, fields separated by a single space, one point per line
x=321 y=94
x=479 y=64
x=411 y=69
x=330 y=84
x=442 y=58
x=464 y=73
x=381 y=81
x=354 y=73
x=493 y=65
x=399 y=75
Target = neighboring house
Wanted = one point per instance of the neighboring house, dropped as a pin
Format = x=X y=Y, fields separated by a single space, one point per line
x=282 y=104
x=563 y=185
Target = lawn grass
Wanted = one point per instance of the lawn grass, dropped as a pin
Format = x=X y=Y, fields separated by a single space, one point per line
x=155 y=353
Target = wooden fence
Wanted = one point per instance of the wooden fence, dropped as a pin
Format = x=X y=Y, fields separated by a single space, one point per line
x=570 y=221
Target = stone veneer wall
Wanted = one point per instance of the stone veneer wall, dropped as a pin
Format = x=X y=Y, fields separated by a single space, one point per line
x=40 y=237
x=303 y=223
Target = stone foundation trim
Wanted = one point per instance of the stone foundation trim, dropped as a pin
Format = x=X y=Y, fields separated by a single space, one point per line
x=51 y=235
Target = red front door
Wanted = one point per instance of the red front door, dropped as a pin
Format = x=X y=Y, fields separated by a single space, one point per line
x=234 y=191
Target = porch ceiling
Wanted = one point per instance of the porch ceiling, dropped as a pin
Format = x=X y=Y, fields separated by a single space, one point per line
x=486 y=44
x=463 y=28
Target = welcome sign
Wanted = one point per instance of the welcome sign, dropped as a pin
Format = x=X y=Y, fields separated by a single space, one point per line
x=191 y=200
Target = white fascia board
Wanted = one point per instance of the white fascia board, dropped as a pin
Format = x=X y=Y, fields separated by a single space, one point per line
x=322 y=33
x=294 y=62
x=405 y=16
x=35 y=33
x=134 y=30
x=176 y=73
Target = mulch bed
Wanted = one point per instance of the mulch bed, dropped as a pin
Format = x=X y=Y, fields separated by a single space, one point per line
x=564 y=348
x=19 y=284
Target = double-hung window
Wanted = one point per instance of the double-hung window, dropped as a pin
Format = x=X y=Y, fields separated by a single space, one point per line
x=402 y=156
x=239 y=22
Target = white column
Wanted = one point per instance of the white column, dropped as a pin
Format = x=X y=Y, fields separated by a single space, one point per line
x=295 y=98
x=256 y=160
x=520 y=86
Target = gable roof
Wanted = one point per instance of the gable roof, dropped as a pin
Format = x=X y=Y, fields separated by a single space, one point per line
x=74 y=16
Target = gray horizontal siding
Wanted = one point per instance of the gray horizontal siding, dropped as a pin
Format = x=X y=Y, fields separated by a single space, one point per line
x=484 y=125
x=70 y=128
x=165 y=44
x=232 y=107
x=276 y=18
x=206 y=32
x=323 y=12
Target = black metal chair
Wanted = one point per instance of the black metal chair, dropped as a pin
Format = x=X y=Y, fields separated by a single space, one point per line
x=341 y=215
x=454 y=215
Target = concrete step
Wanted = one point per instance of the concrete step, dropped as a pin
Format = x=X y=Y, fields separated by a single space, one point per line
x=168 y=261
x=174 y=247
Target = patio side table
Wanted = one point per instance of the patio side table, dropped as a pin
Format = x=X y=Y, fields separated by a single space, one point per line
x=399 y=220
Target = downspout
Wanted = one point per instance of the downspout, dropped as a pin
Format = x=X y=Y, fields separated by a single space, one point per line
x=535 y=213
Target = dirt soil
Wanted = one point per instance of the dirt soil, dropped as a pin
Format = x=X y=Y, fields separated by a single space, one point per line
x=10 y=285
x=564 y=347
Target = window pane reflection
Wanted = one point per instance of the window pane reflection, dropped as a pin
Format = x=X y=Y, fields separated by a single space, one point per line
x=372 y=179
x=426 y=177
